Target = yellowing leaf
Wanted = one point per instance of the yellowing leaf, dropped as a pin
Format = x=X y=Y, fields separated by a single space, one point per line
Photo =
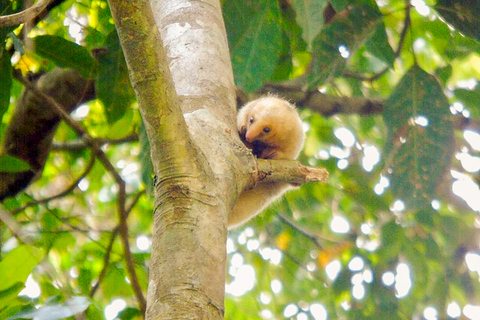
x=283 y=240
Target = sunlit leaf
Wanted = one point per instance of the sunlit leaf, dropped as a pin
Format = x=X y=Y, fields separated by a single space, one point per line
x=419 y=145
x=18 y=264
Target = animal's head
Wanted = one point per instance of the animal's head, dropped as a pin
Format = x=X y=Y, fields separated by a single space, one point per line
x=271 y=121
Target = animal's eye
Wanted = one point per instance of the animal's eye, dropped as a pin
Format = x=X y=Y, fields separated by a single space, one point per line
x=266 y=129
x=251 y=120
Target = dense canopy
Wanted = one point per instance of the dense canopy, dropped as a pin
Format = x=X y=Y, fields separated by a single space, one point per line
x=389 y=95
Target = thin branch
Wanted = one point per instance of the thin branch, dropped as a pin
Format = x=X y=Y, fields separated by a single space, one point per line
x=307 y=233
x=108 y=251
x=62 y=194
x=403 y=34
x=326 y=105
x=14 y=226
x=25 y=15
x=102 y=157
x=106 y=262
x=80 y=144
x=302 y=231
x=317 y=275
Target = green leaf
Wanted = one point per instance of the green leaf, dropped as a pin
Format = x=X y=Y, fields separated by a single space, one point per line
x=255 y=39
x=129 y=314
x=470 y=99
x=18 y=264
x=309 y=17
x=145 y=160
x=112 y=84
x=11 y=292
x=464 y=15
x=379 y=46
x=114 y=284
x=5 y=80
x=56 y=311
x=12 y=164
x=349 y=31
x=65 y=54
x=420 y=136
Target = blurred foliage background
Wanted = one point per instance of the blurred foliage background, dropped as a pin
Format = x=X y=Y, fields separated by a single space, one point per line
x=393 y=235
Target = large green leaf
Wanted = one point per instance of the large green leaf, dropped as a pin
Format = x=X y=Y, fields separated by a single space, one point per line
x=255 y=39
x=464 y=15
x=309 y=17
x=18 y=264
x=348 y=30
x=420 y=132
x=112 y=84
x=5 y=80
x=65 y=54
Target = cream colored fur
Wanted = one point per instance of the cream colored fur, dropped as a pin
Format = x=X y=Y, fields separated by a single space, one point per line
x=282 y=140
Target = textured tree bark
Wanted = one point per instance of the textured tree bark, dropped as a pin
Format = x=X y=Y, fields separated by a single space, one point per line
x=31 y=129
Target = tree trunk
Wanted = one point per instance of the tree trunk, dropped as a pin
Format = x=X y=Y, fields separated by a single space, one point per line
x=197 y=162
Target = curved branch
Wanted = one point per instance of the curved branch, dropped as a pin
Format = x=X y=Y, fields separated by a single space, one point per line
x=25 y=15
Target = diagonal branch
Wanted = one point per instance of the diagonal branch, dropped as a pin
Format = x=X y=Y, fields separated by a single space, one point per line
x=25 y=15
x=102 y=157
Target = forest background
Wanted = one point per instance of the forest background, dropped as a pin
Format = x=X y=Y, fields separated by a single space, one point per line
x=388 y=92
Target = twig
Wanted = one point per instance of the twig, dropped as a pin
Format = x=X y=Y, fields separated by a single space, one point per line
x=403 y=34
x=70 y=188
x=106 y=262
x=25 y=15
x=102 y=157
x=106 y=258
x=307 y=233
x=316 y=275
x=14 y=226
x=80 y=144
x=302 y=231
